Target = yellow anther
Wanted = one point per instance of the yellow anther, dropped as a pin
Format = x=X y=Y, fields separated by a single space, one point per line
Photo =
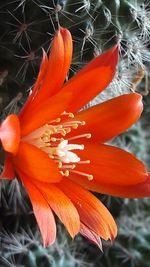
x=63 y=132
x=60 y=165
x=68 y=130
x=58 y=120
x=88 y=136
x=51 y=157
x=70 y=115
x=90 y=177
x=75 y=126
x=83 y=122
x=66 y=173
x=45 y=138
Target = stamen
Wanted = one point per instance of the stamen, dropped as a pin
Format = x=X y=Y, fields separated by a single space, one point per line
x=60 y=165
x=50 y=139
x=88 y=135
x=56 y=120
x=63 y=132
x=68 y=130
x=66 y=173
x=89 y=176
x=69 y=114
x=84 y=162
x=53 y=139
x=71 y=166
x=75 y=126
x=70 y=123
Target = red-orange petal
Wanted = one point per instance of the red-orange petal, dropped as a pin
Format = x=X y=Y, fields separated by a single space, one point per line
x=110 y=165
x=42 y=212
x=107 y=120
x=8 y=170
x=10 y=133
x=62 y=206
x=35 y=163
x=44 y=113
x=103 y=60
x=76 y=93
x=59 y=63
x=67 y=39
x=139 y=190
x=90 y=81
x=57 y=69
x=91 y=236
x=92 y=212
x=27 y=107
x=68 y=99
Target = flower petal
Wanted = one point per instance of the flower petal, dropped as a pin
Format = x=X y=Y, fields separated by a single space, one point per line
x=90 y=81
x=10 y=133
x=103 y=60
x=74 y=90
x=44 y=113
x=139 y=190
x=8 y=170
x=59 y=63
x=61 y=55
x=107 y=120
x=36 y=87
x=91 y=236
x=42 y=212
x=92 y=212
x=35 y=163
x=62 y=206
x=110 y=165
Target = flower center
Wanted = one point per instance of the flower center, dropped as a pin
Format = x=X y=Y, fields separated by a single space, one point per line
x=52 y=139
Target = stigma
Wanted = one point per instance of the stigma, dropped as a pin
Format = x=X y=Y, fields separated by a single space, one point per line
x=52 y=139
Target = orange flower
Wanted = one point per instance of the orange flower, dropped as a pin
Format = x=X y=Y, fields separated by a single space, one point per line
x=60 y=156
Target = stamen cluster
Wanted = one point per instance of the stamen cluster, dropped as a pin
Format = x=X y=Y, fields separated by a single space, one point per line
x=52 y=139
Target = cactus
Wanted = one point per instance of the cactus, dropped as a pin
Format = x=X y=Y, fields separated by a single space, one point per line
x=28 y=25
x=24 y=249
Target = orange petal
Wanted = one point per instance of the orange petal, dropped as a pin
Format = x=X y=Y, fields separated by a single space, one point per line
x=106 y=120
x=57 y=69
x=59 y=63
x=90 y=81
x=67 y=39
x=35 y=163
x=10 y=133
x=76 y=93
x=8 y=170
x=62 y=206
x=36 y=87
x=92 y=212
x=139 y=190
x=110 y=165
x=91 y=236
x=42 y=212
x=44 y=113
x=106 y=58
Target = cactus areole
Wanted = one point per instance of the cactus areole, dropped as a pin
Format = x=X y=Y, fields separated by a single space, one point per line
x=59 y=153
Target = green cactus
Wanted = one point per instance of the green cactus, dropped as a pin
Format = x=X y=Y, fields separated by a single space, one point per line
x=23 y=249
x=28 y=25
